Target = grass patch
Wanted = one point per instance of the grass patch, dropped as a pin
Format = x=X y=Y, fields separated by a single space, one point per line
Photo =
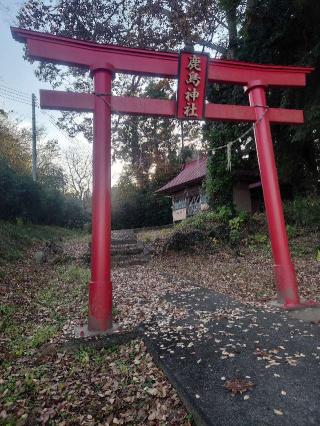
x=16 y=238
x=6 y=315
x=151 y=235
x=62 y=293
x=97 y=357
x=71 y=274
x=24 y=387
x=76 y=274
x=306 y=245
x=20 y=343
x=68 y=288
x=42 y=335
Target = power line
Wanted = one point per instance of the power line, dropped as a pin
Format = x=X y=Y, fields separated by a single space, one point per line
x=14 y=91
x=12 y=95
x=15 y=95
x=53 y=122
x=11 y=98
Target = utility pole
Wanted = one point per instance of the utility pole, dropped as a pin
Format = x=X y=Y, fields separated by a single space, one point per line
x=34 y=139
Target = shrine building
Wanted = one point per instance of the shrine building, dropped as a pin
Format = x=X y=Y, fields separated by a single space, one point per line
x=189 y=197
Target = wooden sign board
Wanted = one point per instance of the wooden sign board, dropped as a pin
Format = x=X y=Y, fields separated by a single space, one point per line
x=192 y=85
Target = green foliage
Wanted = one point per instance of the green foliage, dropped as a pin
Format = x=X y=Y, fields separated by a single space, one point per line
x=224 y=213
x=200 y=222
x=303 y=212
x=291 y=231
x=189 y=418
x=22 y=198
x=184 y=240
x=211 y=228
x=219 y=181
x=236 y=226
x=260 y=238
x=223 y=225
x=135 y=207
x=43 y=202
x=83 y=356
x=14 y=144
x=270 y=36
x=205 y=220
x=267 y=33
x=203 y=227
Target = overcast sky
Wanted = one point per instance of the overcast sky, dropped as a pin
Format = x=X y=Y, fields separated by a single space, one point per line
x=18 y=82
x=16 y=74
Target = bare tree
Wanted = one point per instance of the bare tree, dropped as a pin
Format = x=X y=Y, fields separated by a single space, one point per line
x=79 y=169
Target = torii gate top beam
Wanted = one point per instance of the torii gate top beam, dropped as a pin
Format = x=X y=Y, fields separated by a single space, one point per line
x=67 y=51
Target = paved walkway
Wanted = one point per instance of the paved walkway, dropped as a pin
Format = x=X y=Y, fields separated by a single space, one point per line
x=217 y=339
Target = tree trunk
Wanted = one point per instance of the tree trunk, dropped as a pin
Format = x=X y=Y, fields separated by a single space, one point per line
x=231 y=15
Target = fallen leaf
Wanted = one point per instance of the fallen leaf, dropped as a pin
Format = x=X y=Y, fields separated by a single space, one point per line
x=238 y=385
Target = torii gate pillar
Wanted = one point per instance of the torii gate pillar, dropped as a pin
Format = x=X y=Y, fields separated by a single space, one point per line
x=100 y=287
x=284 y=272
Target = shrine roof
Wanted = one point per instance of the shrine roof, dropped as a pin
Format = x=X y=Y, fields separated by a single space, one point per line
x=192 y=172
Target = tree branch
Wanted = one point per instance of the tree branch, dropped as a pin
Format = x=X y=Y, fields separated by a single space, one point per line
x=214 y=46
x=204 y=43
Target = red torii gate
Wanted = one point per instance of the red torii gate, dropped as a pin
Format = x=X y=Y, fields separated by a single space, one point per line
x=103 y=61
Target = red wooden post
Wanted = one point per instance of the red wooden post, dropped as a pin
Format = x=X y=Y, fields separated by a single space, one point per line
x=100 y=287
x=283 y=267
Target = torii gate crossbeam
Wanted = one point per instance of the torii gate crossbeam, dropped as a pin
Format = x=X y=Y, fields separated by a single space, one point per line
x=103 y=61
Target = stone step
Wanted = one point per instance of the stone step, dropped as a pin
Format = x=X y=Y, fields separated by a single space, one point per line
x=126 y=244
x=124 y=261
x=126 y=250
x=117 y=242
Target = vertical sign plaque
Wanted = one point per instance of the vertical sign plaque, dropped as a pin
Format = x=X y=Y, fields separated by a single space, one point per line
x=192 y=85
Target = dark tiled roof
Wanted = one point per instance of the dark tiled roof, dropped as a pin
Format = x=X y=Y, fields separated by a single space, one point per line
x=191 y=172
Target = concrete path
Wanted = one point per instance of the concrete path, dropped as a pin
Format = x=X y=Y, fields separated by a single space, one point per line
x=210 y=339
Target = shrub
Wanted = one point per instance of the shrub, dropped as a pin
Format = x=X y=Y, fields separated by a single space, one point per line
x=223 y=225
x=184 y=240
x=260 y=238
x=303 y=212
x=134 y=207
x=204 y=221
x=210 y=227
x=31 y=202
x=291 y=231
